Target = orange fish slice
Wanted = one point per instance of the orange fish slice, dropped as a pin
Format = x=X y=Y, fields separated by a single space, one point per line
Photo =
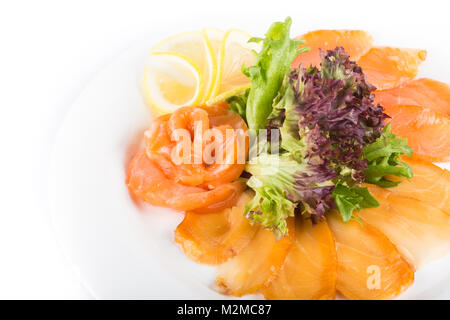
x=355 y=42
x=193 y=123
x=257 y=265
x=146 y=181
x=430 y=184
x=419 y=231
x=369 y=265
x=428 y=131
x=309 y=271
x=387 y=67
x=432 y=94
x=215 y=237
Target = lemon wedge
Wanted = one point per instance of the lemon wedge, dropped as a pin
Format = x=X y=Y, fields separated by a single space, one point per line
x=171 y=80
x=234 y=52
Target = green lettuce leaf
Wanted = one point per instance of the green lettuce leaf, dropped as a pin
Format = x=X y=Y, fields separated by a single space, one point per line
x=349 y=199
x=238 y=104
x=284 y=108
x=272 y=63
x=383 y=159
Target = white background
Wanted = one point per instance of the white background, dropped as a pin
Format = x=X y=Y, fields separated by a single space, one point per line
x=50 y=49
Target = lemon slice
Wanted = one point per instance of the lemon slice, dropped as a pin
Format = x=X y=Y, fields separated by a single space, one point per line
x=213 y=39
x=195 y=46
x=198 y=67
x=234 y=52
x=171 y=80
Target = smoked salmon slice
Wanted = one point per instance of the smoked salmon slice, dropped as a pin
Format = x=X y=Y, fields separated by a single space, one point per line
x=424 y=92
x=220 y=115
x=188 y=127
x=147 y=182
x=355 y=42
x=213 y=238
x=174 y=170
x=430 y=184
x=256 y=265
x=420 y=231
x=309 y=271
x=369 y=265
x=387 y=67
x=428 y=131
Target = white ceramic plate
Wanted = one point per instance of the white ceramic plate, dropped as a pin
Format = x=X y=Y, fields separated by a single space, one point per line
x=121 y=250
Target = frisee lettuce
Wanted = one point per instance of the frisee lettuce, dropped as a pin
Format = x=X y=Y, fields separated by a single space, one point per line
x=281 y=183
x=272 y=180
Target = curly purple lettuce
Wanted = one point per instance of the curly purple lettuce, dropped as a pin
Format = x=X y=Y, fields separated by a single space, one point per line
x=326 y=117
